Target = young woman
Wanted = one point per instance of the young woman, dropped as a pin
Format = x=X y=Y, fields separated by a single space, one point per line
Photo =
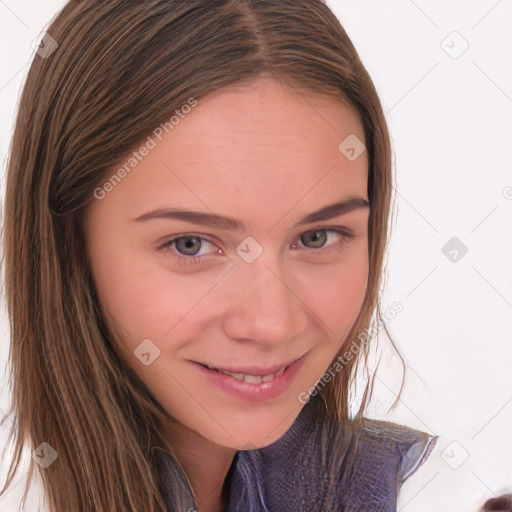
x=196 y=215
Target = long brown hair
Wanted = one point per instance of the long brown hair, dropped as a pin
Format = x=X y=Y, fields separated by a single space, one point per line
x=121 y=68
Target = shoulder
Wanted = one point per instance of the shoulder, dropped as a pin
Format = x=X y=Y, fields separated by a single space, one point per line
x=384 y=455
x=367 y=461
x=321 y=465
x=409 y=446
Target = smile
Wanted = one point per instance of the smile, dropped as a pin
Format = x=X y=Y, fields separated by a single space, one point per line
x=251 y=379
x=253 y=383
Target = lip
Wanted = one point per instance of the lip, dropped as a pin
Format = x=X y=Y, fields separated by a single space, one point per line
x=255 y=370
x=258 y=392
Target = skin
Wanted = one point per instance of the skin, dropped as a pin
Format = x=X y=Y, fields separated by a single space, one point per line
x=268 y=156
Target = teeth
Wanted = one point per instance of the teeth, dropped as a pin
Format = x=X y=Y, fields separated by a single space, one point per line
x=237 y=376
x=252 y=379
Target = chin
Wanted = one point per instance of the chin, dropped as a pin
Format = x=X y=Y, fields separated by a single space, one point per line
x=253 y=431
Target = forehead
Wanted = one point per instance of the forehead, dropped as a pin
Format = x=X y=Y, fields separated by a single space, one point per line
x=243 y=147
x=266 y=119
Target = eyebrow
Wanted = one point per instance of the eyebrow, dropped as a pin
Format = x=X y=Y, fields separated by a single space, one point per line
x=229 y=224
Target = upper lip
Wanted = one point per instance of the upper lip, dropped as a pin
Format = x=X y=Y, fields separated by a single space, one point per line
x=254 y=370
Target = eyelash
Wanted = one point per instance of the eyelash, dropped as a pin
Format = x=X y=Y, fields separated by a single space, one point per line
x=346 y=236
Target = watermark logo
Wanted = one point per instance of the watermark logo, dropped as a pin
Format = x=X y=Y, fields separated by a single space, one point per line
x=343 y=360
x=45 y=45
x=144 y=150
x=352 y=147
x=45 y=455
x=507 y=193
x=454 y=249
x=454 y=45
x=147 y=352
x=454 y=455
x=249 y=250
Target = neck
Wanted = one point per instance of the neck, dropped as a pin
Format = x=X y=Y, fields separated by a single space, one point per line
x=206 y=465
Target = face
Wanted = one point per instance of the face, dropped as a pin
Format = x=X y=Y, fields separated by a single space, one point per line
x=217 y=250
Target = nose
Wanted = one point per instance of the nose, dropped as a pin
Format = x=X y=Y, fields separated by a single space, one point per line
x=264 y=308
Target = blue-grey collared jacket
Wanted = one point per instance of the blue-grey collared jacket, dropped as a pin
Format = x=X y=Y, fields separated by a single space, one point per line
x=320 y=466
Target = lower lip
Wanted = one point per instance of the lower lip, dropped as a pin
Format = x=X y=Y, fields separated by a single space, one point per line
x=253 y=392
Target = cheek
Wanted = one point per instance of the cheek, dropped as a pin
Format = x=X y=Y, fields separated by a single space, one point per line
x=335 y=293
x=144 y=298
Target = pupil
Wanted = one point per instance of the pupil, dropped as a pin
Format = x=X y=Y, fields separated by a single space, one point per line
x=190 y=247
x=318 y=238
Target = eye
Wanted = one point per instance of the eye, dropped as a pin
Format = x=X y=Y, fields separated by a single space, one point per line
x=318 y=238
x=188 y=248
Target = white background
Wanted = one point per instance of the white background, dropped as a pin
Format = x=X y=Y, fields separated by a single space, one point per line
x=450 y=118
